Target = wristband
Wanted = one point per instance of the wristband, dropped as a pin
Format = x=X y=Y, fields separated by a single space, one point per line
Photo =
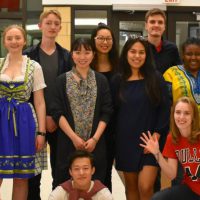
x=41 y=133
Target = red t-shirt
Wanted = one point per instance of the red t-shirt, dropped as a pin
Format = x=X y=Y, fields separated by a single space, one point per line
x=189 y=156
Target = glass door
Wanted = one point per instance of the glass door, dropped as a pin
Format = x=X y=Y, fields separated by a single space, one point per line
x=128 y=24
x=183 y=22
x=130 y=29
x=185 y=30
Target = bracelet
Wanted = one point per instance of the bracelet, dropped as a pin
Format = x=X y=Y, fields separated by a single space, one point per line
x=95 y=139
x=41 y=133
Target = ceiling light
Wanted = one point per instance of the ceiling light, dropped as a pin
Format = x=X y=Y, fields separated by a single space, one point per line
x=32 y=27
x=89 y=21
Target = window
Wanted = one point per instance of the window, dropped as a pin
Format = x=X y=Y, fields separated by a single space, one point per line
x=85 y=20
x=21 y=12
x=186 y=29
x=34 y=9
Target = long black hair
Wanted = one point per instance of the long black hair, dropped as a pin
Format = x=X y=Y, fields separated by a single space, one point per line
x=151 y=77
x=113 y=53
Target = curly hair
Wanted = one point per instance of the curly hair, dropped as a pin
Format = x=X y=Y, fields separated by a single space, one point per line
x=189 y=41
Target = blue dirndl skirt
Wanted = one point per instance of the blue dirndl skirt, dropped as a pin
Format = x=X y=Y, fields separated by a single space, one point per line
x=17 y=139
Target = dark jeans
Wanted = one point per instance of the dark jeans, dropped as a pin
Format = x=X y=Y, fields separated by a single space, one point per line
x=34 y=183
x=178 y=192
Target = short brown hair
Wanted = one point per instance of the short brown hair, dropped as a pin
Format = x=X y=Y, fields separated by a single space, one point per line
x=20 y=28
x=155 y=11
x=45 y=13
x=195 y=132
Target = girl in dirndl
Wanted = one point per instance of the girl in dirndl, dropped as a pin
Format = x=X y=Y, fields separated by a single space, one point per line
x=22 y=129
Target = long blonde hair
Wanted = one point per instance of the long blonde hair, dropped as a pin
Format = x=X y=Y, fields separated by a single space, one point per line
x=195 y=128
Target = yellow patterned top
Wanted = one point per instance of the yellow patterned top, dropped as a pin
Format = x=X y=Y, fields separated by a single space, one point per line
x=182 y=83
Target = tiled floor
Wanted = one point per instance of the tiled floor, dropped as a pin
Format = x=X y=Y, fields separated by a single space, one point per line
x=118 y=188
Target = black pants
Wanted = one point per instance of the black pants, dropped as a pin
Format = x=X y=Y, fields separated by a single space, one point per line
x=34 y=188
x=110 y=153
x=157 y=184
x=178 y=192
x=34 y=183
x=179 y=176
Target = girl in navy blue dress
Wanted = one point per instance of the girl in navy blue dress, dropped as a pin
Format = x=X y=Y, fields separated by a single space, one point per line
x=82 y=108
x=141 y=105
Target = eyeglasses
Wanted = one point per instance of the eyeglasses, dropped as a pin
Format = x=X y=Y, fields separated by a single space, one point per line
x=102 y=39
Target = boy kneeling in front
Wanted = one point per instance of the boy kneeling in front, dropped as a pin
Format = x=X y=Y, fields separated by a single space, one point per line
x=81 y=186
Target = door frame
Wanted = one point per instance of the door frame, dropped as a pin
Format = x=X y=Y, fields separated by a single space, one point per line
x=179 y=13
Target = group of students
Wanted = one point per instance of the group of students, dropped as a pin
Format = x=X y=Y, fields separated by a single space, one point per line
x=99 y=104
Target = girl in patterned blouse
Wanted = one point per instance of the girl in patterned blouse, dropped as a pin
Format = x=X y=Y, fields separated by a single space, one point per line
x=82 y=108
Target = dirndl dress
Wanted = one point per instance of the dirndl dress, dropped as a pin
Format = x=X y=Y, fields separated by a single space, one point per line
x=18 y=128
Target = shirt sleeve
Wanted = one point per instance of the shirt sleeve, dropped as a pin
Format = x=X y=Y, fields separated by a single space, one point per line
x=169 y=151
x=169 y=81
x=168 y=75
x=103 y=194
x=38 y=77
x=58 y=194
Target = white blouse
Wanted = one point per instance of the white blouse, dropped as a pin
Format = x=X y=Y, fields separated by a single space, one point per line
x=38 y=77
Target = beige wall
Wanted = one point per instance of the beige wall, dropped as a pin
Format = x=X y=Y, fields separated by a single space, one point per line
x=64 y=37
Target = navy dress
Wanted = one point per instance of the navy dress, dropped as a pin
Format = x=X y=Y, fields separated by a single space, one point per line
x=136 y=114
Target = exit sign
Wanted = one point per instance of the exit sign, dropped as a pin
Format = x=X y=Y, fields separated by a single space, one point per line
x=171 y=1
